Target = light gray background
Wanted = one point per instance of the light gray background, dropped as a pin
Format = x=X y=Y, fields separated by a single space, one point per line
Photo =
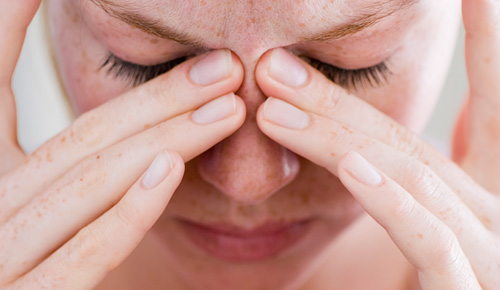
x=42 y=111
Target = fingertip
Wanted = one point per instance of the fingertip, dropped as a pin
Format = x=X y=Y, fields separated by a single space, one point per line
x=240 y=108
x=176 y=160
x=360 y=169
x=261 y=70
x=237 y=72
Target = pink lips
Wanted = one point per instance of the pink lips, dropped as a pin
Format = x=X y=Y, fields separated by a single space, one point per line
x=231 y=243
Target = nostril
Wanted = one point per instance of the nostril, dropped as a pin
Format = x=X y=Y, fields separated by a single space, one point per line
x=248 y=175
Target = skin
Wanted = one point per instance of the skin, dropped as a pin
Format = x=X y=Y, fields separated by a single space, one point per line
x=125 y=128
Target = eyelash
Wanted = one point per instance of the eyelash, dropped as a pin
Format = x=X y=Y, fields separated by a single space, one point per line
x=373 y=76
x=136 y=74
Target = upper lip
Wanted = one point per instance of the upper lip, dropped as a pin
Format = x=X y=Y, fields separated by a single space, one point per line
x=267 y=228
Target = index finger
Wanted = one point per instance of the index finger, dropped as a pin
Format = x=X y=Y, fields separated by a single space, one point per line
x=321 y=96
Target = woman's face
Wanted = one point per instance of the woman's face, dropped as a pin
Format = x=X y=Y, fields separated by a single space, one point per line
x=248 y=181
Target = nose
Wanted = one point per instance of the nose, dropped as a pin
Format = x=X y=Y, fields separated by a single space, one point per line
x=248 y=167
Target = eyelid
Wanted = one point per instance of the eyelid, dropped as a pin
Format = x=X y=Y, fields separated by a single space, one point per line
x=373 y=76
x=136 y=73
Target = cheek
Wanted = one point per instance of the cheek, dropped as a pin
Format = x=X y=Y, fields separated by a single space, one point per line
x=79 y=57
x=405 y=101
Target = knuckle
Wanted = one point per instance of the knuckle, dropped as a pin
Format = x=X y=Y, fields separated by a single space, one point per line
x=403 y=209
x=83 y=249
x=424 y=182
x=87 y=130
x=406 y=141
x=129 y=217
x=446 y=253
x=331 y=98
x=160 y=90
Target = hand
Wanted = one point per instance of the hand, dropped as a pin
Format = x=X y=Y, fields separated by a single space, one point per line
x=445 y=223
x=79 y=205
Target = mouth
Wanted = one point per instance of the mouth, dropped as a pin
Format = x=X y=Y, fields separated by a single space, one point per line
x=235 y=244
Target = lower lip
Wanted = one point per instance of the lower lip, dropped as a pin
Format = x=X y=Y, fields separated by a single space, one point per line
x=245 y=247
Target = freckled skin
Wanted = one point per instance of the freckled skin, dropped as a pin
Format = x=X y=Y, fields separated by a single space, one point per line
x=243 y=179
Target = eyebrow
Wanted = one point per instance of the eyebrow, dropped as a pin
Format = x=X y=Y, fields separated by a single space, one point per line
x=361 y=23
x=160 y=30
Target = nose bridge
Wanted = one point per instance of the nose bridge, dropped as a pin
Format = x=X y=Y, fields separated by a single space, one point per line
x=248 y=167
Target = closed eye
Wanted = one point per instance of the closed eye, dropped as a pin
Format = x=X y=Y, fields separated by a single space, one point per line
x=137 y=74
x=373 y=76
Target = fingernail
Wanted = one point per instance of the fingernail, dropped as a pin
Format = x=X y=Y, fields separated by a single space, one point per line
x=213 y=68
x=284 y=114
x=216 y=110
x=286 y=69
x=158 y=170
x=361 y=169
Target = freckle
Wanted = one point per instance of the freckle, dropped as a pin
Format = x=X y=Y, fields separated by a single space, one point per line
x=487 y=60
x=218 y=34
x=120 y=155
x=333 y=154
x=347 y=129
x=268 y=8
x=420 y=236
x=38 y=214
x=153 y=41
x=147 y=126
x=63 y=139
x=98 y=157
x=203 y=3
x=302 y=25
x=81 y=179
x=487 y=222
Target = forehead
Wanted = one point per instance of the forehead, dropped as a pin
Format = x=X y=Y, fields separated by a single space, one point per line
x=224 y=23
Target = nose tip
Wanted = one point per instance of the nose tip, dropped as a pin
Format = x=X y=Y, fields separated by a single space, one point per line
x=248 y=167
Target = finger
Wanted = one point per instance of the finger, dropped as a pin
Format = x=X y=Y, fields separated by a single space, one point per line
x=100 y=180
x=480 y=125
x=163 y=98
x=329 y=134
x=323 y=141
x=102 y=245
x=15 y=17
x=319 y=95
x=425 y=241
x=295 y=130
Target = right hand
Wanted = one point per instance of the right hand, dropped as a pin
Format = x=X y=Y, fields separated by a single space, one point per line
x=77 y=207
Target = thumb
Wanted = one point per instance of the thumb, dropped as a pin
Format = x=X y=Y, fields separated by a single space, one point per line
x=15 y=17
x=479 y=123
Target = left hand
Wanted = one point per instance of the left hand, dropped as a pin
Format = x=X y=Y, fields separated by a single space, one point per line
x=445 y=223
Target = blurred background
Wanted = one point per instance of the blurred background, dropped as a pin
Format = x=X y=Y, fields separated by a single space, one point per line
x=43 y=112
